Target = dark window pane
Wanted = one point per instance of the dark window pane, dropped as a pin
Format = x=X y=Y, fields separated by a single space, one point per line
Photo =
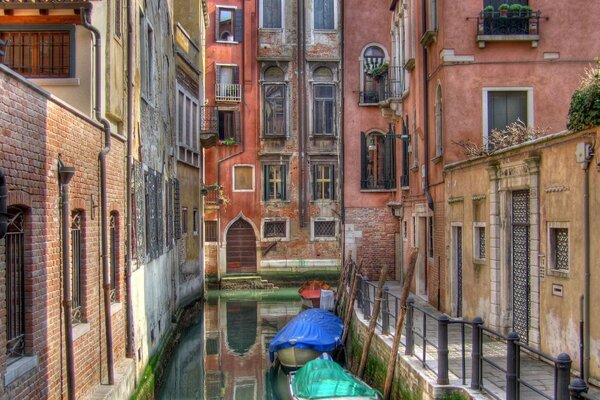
x=272 y=13
x=323 y=13
x=505 y=108
x=274 y=110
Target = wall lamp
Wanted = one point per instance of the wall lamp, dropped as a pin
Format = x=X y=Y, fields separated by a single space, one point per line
x=65 y=173
x=404 y=137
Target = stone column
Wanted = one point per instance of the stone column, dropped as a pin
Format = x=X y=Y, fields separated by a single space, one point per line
x=494 y=233
x=533 y=164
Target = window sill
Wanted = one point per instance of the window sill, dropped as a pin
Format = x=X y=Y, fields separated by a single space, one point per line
x=323 y=136
x=227 y=42
x=56 y=81
x=271 y=137
x=405 y=188
x=324 y=239
x=368 y=104
x=558 y=273
x=479 y=261
x=19 y=368
x=115 y=308
x=274 y=30
x=437 y=159
x=275 y=239
x=377 y=190
x=79 y=330
x=325 y=30
x=275 y=202
x=414 y=168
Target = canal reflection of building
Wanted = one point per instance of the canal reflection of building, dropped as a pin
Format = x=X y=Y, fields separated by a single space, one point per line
x=238 y=333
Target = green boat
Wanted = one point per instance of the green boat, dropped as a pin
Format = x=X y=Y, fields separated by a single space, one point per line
x=326 y=380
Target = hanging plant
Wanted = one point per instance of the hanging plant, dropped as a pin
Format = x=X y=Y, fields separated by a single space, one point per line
x=378 y=71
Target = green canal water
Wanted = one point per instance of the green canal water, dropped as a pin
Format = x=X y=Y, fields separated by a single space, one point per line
x=223 y=353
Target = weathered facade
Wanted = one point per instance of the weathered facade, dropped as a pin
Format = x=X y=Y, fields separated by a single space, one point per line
x=516 y=222
x=275 y=70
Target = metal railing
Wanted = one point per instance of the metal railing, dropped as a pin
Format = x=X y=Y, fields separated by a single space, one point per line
x=209 y=119
x=228 y=92
x=509 y=23
x=394 y=85
x=470 y=351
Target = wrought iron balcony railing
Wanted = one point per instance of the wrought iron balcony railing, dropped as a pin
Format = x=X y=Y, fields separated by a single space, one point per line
x=508 y=26
x=389 y=85
x=71 y=4
x=374 y=184
x=209 y=120
x=228 y=92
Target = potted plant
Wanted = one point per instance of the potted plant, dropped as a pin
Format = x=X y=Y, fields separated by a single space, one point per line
x=488 y=11
x=526 y=11
x=378 y=71
x=515 y=10
x=503 y=9
x=229 y=142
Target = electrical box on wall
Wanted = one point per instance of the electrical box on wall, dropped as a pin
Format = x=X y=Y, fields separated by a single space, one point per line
x=583 y=152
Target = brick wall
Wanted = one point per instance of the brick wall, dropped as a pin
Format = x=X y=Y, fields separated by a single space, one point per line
x=37 y=130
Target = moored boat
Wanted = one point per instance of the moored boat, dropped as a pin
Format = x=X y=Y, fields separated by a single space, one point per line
x=305 y=337
x=324 y=379
x=316 y=293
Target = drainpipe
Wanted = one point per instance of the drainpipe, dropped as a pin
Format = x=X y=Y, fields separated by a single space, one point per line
x=103 y=200
x=586 y=246
x=130 y=348
x=66 y=174
x=3 y=205
x=425 y=69
x=301 y=43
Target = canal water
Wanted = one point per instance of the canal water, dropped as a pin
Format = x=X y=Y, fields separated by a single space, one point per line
x=223 y=353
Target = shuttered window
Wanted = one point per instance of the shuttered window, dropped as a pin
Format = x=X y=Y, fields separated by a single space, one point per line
x=271 y=14
x=274 y=110
x=378 y=166
x=323 y=13
x=323 y=182
x=275 y=182
x=210 y=231
x=229 y=125
x=324 y=109
x=229 y=26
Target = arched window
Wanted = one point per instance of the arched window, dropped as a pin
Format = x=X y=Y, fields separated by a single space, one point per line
x=378 y=167
x=374 y=74
x=15 y=284
x=324 y=107
x=274 y=103
x=438 y=122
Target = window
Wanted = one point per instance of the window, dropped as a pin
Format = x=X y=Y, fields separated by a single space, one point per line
x=404 y=179
x=275 y=182
x=15 y=284
x=504 y=106
x=433 y=16
x=195 y=221
x=405 y=230
x=229 y=125
x=187 y=127
x=274 y=103
x=373 y=59
x=324 y=229
x=479 y=241
x=438 y=122
x=184 y=220
x=228 y=86
x=118 y=19
x=177 y=217
x=323 y=182
x=430 y=234
x=275 y=229
x=212 y=346
x=324 y=14
x=271 y=14
x=77 y=287
x=114 y=256
x=243 y=178
x=558 y=247
x=324 y=109
x=378 y=161
x=146 y=58
x=415 y=142
x=211 y=233
x=230 y=25
x=40 y=53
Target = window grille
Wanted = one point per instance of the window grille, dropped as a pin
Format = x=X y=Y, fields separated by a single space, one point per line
x=324 y=228
x=559 y=242
x=212 y=346
x=275 y=229
x=184 y=220
x=76 y=266
x=211 y=231
x=15 y=286
x=481 y=233
x=113 y=257
x=38 y=54
x=176 y=208
x=160 y=229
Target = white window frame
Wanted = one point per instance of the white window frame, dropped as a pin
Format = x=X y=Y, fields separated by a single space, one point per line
x=275 y=239
x=193 y=100
x=476 y=227
x=321 y=238
x=552 y=270
x=261 y=24
x=484 y=104
x=233 y=169
x=217 y=15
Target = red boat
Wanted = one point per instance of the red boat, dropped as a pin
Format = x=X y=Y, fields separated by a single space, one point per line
x=312 y=292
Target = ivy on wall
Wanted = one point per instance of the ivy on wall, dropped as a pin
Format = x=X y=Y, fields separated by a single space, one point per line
x=585 y=103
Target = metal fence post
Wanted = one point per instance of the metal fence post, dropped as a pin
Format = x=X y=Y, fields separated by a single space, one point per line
x=442 y=350
x=385 y=311
x=359 y=295
x=577 y=388
x=476 y=354
x=366 y=298
x=410 y=339
x=512 y=384
x=563 y=375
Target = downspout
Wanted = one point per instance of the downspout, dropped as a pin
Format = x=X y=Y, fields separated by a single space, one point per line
x=301 y=43
x=425 y=69
x=342 y=132
x=66 y=174
x=3 y=206
x=586 y=262
x=130 y=348
x=103 y=206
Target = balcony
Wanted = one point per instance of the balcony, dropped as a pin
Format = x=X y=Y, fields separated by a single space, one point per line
x=508 y=26
x=44 y=4
x=394 y=90
x=209 y=126
x=228 y=92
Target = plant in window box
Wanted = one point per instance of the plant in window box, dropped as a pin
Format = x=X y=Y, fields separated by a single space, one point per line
x=487 y=15
x=503 y=9
x=488 y=11
x=378 y=71
x=229 y=142
x=515 y=10
x=526 y=11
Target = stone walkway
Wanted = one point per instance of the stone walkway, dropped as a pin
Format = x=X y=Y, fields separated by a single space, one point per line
x=533 y=371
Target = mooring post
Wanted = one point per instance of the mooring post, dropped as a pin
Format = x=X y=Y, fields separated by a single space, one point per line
x=563 y=375
x=476 y=354
x=410 y=339
x=577 y=388
x=512 y=349
x=366 y=298
x=385 y=311
x=442 y=350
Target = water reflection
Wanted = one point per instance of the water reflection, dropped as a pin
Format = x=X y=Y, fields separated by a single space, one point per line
x=224 y=353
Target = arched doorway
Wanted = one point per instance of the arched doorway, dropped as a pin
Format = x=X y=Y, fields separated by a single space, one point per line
x=241 y=248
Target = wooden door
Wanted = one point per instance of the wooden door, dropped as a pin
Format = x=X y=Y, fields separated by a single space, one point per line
x=241 y=248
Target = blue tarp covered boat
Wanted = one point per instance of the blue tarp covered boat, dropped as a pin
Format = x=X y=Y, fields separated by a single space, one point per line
x=305 y=337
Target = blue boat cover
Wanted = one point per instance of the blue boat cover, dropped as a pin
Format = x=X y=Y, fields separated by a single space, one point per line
x=314 y=329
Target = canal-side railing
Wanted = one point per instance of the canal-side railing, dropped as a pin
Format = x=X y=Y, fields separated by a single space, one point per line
x=489 y=361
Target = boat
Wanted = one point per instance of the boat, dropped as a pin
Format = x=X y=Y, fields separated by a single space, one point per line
x=305 y=337
x=317 y=294
x=324 y=379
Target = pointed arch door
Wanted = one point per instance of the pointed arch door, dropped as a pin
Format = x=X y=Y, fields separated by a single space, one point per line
x=241 y=248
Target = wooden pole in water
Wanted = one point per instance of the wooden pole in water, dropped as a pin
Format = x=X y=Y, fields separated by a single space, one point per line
x=350 y=305
x=372 y=323
x=341 y=290
x=403 y=297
